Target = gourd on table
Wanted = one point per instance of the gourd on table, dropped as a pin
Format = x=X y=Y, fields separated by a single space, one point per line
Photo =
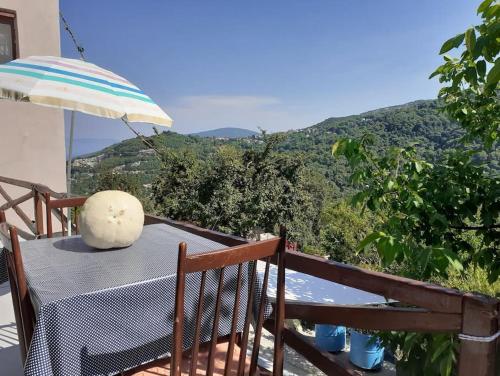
x=111 y=219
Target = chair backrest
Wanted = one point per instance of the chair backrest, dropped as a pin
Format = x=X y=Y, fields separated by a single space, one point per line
x=23 y=309
x=241 y=255
x=57 y=206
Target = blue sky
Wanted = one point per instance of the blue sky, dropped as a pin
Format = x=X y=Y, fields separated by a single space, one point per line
x=274 y=64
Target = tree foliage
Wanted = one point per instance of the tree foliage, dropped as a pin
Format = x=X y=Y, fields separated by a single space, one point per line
x=242 y=192
x=342 y=229
x=431 y=205
x=443 y=215
x=470 y=93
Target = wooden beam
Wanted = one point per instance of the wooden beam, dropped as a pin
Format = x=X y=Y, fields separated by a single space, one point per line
x=279 y=340
x=480 y=319
x=216 y=236
x=326 y=362
x=421 y=294
x=38 y=209
x=17 y=201
x=18 y=211
x=231 y=256
x=375 y=318
x=70 y=202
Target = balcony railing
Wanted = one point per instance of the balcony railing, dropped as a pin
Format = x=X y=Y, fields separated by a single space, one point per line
x=427 y=308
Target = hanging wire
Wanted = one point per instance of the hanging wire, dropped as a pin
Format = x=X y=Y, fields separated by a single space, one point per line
x=81 y=51
x=78 y=47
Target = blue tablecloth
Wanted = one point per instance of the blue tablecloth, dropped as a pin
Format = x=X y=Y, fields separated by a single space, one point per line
x=101 y=312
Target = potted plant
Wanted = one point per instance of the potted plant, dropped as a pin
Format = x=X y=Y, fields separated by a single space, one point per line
x=366 y=351
x=330 y=338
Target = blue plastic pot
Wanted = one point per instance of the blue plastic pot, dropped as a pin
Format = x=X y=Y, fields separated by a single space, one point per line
x=330 y=338
x=365 y=352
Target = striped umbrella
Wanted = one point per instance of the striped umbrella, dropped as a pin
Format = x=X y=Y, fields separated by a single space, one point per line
x=79 y=86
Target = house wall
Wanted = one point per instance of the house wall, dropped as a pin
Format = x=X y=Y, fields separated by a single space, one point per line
x=32 y=137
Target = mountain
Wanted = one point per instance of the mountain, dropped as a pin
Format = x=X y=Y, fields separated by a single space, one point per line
x=83 y=146
x=226 y=133
x=420 y=123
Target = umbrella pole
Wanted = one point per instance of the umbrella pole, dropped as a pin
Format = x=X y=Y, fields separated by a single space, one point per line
x=68 y=167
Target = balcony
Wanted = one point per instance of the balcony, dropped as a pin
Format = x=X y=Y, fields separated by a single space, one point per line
x=415 y=306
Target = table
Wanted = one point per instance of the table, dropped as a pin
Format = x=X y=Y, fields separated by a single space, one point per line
x=101 y=312
x=306 y=288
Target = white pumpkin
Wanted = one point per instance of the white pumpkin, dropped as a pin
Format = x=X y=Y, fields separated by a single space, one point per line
x=111 y=219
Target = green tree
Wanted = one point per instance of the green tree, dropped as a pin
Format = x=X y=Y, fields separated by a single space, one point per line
x=434 y=206
x=342 y=229
x=245 y=192
x=175 y=189
x=109 y=180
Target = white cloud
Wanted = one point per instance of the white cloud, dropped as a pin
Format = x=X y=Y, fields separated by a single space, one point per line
x=227 y=101
x=202 y=112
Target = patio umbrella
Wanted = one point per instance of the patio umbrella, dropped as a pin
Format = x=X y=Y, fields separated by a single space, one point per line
x=79 y=86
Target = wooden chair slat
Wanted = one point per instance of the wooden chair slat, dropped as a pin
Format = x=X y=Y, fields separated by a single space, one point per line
x=215 y=327
x=58 y=206
x=234 y=359
x=197 y=330
x=248 y=319
x=230 y=349
x=260 y=320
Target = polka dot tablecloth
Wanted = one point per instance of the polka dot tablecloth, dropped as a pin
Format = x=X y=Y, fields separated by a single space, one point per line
x=102 y=312
x=3 y=265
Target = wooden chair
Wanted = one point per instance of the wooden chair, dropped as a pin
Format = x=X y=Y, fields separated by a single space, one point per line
x=58 y=205
x=23 y=309
x=229 y=353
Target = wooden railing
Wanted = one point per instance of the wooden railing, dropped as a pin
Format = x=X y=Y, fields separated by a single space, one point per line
x=430 y=308
x=439 y=310
x=36 y=193
x=436 y=310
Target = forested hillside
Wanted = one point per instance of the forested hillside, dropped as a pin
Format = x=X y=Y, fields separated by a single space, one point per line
x=418 y=122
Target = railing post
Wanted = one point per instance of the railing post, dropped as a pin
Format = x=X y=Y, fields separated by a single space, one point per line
x=37 y=199
x=480 y=320
x=279 y=340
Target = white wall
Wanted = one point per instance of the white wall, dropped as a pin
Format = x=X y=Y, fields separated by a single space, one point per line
x=32 y=137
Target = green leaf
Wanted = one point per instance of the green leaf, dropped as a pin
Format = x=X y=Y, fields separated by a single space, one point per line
x=441 y=348
x=494 y=75
x=335 y=147
x=387 y=249
x=373 y=237
x=409 y=341
x=483 y=6
x=439 y=70
x=452 y=43
x=481 y=68
x=446 y=365
x=417 y=200
x=470 y=39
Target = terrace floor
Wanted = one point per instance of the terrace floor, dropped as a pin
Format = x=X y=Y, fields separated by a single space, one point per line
x=10 y=355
